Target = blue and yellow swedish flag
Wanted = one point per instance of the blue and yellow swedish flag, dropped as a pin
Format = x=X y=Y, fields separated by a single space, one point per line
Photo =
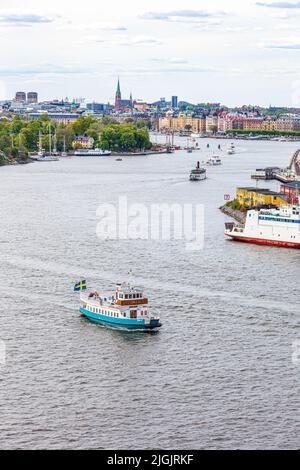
x=80 y=286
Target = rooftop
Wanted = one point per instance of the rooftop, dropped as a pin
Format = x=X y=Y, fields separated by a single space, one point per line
x=292 y=184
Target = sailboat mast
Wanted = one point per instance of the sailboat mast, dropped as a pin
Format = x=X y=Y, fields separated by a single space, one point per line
x=40 y=141
x=50 y=149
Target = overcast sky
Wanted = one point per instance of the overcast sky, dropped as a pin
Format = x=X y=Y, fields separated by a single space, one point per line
x=234 y=52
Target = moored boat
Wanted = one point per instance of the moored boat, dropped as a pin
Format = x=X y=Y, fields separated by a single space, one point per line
x=276 y=227
x=41 y=156
x=92 y=153
x=127 y=308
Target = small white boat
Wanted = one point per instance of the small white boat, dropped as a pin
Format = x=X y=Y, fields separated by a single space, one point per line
x=47 y=158
x=231 y=149
x=92 y=153
x=42 y=157
x=214 y=160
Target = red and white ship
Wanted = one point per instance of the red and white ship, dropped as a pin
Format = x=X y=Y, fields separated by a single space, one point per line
x=277 y=227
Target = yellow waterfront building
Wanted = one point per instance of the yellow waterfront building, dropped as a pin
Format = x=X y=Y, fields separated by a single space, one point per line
x=183 y=123
x=251 y=197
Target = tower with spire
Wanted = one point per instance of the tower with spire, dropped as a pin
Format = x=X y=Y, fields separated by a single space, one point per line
x=118 y=101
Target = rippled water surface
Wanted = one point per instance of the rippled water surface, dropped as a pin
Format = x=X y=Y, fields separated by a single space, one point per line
x=219 y=374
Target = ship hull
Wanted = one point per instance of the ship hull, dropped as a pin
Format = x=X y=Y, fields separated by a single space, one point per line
x=120 y=323
x=263 y=241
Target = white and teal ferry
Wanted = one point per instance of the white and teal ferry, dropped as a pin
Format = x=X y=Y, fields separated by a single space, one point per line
x=126 y=309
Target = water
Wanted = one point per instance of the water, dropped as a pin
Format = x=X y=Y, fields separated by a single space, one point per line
x=219 y=374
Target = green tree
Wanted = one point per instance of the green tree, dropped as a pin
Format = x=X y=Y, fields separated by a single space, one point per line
x=16 y=125
x=65 y=135
x=5 y=143
x=2 y=158
x=83 y=123
x=124 y=137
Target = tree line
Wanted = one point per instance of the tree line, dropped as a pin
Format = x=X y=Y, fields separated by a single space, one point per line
x=19 y=137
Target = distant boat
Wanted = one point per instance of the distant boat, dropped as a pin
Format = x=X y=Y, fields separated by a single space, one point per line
x=64 y=153
x=188 y=147
x=195 y=136
x=198 y=174
x=231 y=149
x=47 y=158
x=92 y=153
x=41 y=156
x=214 y=160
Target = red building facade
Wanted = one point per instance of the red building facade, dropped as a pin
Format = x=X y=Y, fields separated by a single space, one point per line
x=291 y=191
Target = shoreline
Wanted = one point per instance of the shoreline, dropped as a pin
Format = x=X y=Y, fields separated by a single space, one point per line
x=137 y=154
x=16 y=162
x=263 y=138
x=239 y=216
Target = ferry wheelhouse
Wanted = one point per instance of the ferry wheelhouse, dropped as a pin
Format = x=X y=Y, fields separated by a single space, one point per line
x=277 y=227
x=127 y=308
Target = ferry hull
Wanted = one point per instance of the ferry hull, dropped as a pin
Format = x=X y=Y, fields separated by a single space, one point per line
x=120 y=323
x=262 y=241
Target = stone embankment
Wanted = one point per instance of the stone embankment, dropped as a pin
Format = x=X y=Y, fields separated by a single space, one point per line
x=239 y=216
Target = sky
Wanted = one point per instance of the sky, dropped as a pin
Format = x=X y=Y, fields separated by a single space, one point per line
x=233 y=52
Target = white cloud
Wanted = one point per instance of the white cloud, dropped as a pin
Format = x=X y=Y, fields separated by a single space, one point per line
x=42 y=69
x=172 y=60
x=285 y=5
x=285 y=46
x=94 y=26
x=181 y=49
x=290 y=43
x=190 y=16
x=15 y=18
x=124 y=40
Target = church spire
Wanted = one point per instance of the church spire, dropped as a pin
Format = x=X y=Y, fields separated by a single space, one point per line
x=118 y=94
x=118 y=101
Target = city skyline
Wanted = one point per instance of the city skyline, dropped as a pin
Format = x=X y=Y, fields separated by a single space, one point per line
x=202 y=53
